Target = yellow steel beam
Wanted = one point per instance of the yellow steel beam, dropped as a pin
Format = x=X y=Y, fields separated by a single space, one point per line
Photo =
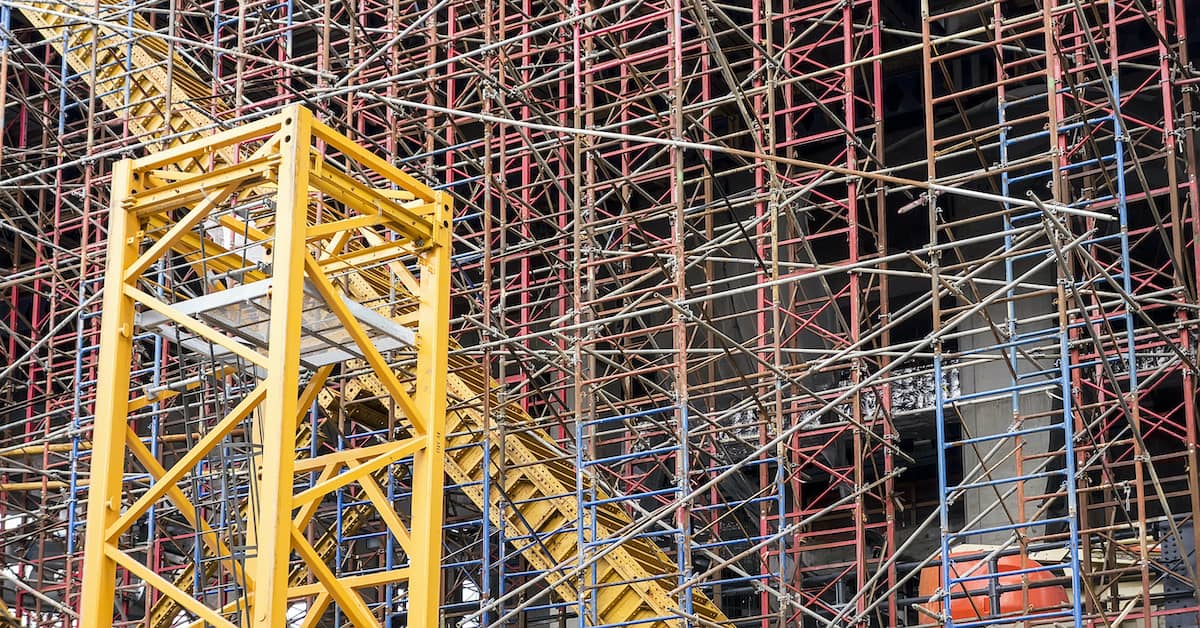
x=203 y=253
x=187 y=462
x=112 y=399
x=137 y=569
x=387 y=513
x=354 y=456
x=162 y=199
x=367 y=200
x=308 y=509
x=184 y=225
x=394 y=453
x=7 y=618
x=137 y=403
x=315 y=611
x=216 y=546
x=326 y=229
x=113 y=60
x=357 y=153
x=208 y=536
x=241 y=228
x=186 y=576
x=433 y=329
x=385 y=253
x=347 y=598
x=228 y=180
x=336 y=244
x=357 y=582
x=273 y=519
x=333 y=299
x=220 y=146
x=317 y=607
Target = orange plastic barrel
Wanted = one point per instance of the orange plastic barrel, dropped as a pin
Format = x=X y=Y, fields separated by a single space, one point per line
x=978 y=605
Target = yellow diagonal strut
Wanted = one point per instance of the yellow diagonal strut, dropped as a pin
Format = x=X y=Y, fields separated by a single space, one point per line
x=639 y=574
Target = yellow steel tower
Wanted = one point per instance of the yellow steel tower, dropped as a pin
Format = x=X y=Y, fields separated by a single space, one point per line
x=308 y=207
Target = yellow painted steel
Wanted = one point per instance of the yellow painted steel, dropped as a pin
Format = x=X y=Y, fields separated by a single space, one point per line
x=633 y=582
x=6 y=617
x=112 y=405
x=293 y=233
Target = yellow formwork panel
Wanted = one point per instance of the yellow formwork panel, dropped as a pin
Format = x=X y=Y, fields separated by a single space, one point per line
x=642 y=574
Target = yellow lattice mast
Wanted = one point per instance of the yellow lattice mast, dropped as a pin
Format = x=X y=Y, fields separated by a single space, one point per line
x=290 y=330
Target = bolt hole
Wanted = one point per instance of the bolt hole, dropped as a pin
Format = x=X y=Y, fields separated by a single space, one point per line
x=287 y=138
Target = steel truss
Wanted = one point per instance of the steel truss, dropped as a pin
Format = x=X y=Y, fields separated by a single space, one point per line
x=285 y=328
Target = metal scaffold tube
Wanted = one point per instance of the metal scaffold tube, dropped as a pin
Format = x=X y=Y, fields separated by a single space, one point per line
x=779 y=313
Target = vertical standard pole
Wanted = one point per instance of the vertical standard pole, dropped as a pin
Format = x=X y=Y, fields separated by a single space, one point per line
x=927 y=54
x=273 y=520
x=424 y=590
x=112 y=404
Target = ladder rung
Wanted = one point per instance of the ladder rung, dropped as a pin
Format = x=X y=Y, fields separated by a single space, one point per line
x=1009 y=434
x=1012 y=480
x=1008 y=528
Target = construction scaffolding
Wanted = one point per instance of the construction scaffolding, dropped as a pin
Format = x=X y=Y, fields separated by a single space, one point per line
x=819 y=313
